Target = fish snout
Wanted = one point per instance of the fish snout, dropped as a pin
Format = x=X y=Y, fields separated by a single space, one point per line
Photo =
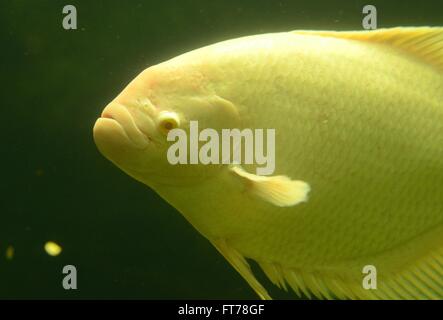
x=117 y=122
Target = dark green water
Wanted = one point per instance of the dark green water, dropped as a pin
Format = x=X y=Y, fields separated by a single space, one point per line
x=125 y=241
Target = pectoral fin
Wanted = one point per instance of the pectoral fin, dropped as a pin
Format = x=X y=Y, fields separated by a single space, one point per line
x=278 y=190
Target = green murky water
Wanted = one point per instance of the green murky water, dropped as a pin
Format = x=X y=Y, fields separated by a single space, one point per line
x=125 y=241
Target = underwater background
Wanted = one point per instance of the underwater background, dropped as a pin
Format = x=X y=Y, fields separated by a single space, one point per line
x=125 y=241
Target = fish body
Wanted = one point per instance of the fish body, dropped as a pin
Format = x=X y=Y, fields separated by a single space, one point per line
x=358 y=119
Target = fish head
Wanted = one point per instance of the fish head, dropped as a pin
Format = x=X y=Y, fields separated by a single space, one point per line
x=132 y=129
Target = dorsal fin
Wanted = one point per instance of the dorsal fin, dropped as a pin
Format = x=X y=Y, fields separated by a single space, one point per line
x=425 y=43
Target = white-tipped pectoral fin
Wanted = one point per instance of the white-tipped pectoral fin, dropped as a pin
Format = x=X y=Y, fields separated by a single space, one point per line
x=278 y=190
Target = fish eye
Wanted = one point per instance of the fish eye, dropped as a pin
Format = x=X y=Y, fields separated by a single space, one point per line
x=168 y=121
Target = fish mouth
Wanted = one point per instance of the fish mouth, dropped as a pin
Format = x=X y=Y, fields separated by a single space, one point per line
x=118 y=121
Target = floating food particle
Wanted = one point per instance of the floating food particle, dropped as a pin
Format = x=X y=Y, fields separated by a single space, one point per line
x=9 y=253
x=52 y=248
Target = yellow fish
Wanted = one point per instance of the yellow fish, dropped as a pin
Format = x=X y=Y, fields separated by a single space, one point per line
x=358 y=181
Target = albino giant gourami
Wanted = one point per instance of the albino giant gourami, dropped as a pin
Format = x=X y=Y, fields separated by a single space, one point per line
x=358 y=118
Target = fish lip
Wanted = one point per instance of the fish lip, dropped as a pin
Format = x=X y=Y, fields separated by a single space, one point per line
x=120 y=114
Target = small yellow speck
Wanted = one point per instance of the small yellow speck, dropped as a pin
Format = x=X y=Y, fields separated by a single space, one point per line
x=52 y=248
x=9 y=253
